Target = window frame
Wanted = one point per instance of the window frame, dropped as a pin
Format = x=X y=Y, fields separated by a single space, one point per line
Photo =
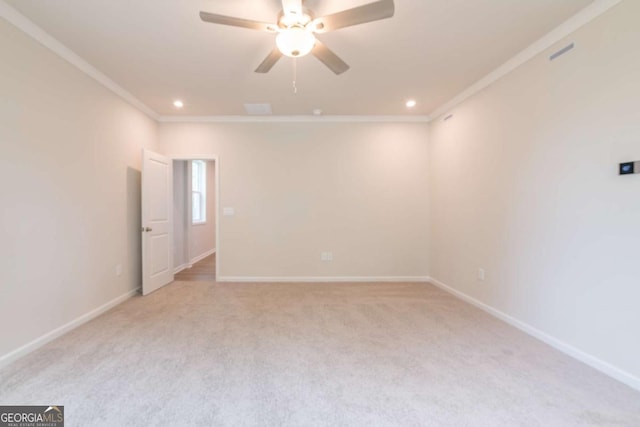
x=199 y=191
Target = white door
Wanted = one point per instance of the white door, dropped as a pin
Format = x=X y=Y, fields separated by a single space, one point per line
x=157 y=222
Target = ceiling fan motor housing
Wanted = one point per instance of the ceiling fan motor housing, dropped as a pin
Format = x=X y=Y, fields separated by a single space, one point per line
x=288 y=20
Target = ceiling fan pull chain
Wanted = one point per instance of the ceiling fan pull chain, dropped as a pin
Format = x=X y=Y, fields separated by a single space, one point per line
x=295 y=75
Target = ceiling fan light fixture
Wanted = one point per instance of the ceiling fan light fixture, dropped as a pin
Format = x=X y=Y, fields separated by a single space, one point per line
x=296 y=26
x=295 y=42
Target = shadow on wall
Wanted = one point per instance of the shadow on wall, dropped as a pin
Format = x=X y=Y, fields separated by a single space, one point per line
x=134 y=222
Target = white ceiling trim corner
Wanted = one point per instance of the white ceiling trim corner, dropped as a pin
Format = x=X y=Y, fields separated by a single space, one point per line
x=586 y=15
x=30 y=28
x=294 y=119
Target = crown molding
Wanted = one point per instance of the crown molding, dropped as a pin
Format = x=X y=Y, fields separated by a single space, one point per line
x=293 y=119
x=34 y=31
x=580 y=19
x=38 y=34
x=586 y=15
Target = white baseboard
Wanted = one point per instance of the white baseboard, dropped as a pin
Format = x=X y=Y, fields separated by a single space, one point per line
x=202 y=256
x=50 y=336
x=179 y=268
x=322 y=279
x=602 y=366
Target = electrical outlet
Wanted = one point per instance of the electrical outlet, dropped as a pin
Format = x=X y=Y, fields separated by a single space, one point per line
x=119 y=270
x=481 y=274
x=326 y=256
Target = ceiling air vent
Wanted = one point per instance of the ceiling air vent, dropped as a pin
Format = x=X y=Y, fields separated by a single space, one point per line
x=258 y=109
x=561 y=51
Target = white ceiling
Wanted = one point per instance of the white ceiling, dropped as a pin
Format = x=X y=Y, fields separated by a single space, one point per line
x=431 y=50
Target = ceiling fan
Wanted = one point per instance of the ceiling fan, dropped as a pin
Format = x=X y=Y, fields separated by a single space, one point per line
x=296 y=28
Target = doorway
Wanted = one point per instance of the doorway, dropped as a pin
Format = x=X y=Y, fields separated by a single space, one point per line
x=195 y=219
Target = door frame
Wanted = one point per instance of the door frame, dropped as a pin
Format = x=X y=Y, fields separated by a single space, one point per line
x=215 y=159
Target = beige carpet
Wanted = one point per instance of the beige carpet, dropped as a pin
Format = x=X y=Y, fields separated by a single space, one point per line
x=311 y=355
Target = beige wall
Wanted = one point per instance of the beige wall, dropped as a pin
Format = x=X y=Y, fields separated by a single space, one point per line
x=524 y=184
x=180 y=214
x=70 y=154
x=355 y=189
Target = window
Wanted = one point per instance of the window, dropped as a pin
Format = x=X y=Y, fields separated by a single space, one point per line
x=198 y=192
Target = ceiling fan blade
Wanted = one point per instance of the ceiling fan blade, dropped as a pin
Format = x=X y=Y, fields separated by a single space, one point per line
x=328 y=58
x=375 y=11
x=292 y=6
x=269 y=61
x=236 y=22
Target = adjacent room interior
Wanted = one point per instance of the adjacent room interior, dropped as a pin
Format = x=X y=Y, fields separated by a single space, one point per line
x=194 y=220
x=410 y=213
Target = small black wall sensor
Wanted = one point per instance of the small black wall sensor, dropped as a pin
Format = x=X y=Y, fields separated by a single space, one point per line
x=629 y=168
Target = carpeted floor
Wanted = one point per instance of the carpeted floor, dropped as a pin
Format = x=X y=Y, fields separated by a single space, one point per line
x=311 y=355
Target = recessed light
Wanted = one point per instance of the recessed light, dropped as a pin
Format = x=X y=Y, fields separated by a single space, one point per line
x=411 y=103
x=178 y=104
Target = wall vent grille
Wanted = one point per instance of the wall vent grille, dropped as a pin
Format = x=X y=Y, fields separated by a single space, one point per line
x=562 y=51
